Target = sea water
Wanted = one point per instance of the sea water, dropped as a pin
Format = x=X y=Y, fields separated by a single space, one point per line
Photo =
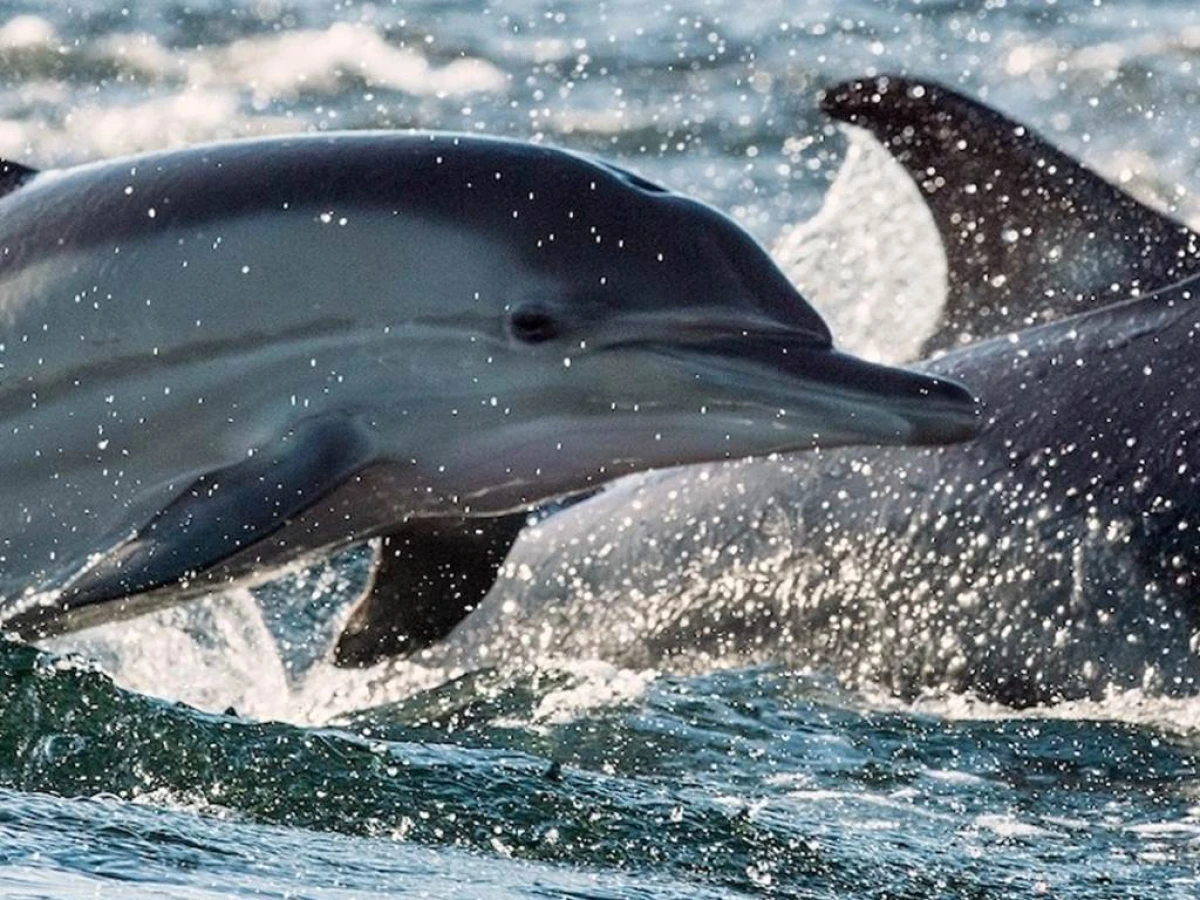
x=212 y=751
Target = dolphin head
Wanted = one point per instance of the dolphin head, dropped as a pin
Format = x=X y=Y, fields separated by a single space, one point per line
x=646 y=329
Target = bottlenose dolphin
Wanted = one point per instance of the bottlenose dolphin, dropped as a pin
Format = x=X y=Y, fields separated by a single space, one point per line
x=1055 y=556
x=219 y=361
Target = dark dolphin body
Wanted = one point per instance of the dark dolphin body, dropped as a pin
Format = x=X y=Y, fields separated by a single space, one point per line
x=1030 y=235
x=219 y=361
x=1056 y=556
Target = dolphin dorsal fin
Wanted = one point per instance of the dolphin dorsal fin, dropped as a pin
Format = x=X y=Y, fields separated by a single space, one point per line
x=1030 y=234
x=13 y=175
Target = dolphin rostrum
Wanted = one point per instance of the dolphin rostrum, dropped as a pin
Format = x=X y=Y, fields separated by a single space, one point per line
x=1057 y=555
x=219 y=361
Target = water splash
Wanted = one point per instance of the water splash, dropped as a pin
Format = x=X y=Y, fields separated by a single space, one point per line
x=871 y=259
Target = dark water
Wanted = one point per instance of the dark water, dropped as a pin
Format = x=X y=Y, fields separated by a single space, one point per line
x=576 y=779
x=752 y=782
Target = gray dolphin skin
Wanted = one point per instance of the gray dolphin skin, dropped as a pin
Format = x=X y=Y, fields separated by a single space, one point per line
x=1056 y=556
x=220 y=361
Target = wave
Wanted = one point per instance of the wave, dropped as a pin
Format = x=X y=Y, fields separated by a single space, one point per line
x=125 y=92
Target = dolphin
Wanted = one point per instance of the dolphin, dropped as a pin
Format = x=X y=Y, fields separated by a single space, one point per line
x=1055 y=556
x=224 y=360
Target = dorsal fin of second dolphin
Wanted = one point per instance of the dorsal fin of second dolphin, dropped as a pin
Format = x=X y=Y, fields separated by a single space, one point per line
x=1030 y=234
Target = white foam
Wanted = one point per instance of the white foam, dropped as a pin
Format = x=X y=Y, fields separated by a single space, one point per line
x=1134 y=707
x=173 y=120
x=956 y=777
x=142 y=53
x=192 y=801
x=1046 y=59
x=312 y=61
x=870 y=260
x=183 y=96
x=27 y=31
x=327 y=692
x=603 y=685
x=296 y=62
x=1008 y=826
x=212 y=655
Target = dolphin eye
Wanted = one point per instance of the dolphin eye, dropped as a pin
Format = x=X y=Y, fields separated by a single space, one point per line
x=533 y=325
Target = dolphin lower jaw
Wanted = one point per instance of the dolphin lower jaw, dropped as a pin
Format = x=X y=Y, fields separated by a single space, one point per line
x=816 y=396
x=693 y=407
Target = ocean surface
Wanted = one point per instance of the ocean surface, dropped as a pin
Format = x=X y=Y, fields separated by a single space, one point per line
x=213 y=752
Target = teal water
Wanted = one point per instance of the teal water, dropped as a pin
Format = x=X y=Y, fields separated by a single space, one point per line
x=574 y=778
x=742 y=783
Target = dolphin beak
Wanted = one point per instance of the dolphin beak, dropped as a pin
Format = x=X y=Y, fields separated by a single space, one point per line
x=820 y=396
x=890 y=405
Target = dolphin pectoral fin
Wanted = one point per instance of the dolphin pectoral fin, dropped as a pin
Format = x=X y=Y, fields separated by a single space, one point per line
x=1030 y=234
x=428 y=575
x=220 y=514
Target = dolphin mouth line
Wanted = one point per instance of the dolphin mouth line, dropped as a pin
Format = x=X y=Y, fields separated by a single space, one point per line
x=718 y=332
x=767 y=372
